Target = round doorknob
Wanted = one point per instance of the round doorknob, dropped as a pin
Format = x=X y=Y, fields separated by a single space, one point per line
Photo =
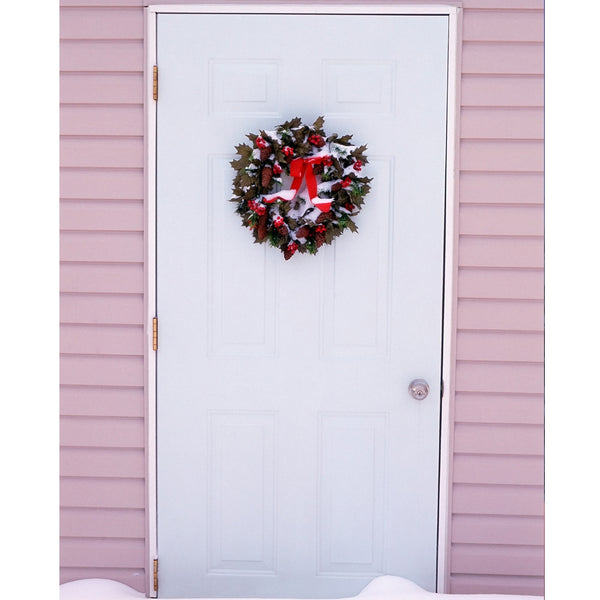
x=419 y=389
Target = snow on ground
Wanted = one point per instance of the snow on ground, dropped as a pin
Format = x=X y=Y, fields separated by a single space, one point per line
x=381 y=588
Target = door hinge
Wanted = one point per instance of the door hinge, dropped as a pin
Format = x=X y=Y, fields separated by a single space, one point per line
x=155 y=574
x=155 y=82
x=155 y=333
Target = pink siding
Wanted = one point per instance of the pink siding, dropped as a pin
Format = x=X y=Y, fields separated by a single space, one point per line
x=496 y=526
x=497 y=504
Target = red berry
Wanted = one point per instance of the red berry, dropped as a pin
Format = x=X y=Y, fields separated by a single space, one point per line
x=357 y=166
x=277 y=169
x=288 y=151
x=346 y=183
x=260 y=142
x=260 y=209
x=278 y=221
x=327 y=161
x=349 y=206
x=316 y=140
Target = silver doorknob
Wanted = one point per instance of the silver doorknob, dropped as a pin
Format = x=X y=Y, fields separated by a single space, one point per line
x=419 y=389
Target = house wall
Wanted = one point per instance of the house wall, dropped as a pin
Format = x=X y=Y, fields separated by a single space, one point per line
x=496 y=471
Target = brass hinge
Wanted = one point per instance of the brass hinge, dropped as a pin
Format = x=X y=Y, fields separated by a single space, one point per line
x=155 y=82
x=155 y=573
x=155 y=333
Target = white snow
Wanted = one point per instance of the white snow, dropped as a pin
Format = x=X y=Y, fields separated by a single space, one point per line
x=385 y=587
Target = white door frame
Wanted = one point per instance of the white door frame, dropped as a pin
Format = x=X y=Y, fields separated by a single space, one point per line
x=450 y=245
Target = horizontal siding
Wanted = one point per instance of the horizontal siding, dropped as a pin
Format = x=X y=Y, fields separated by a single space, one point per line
x=102 y=246
x=500 y=346
x=122 y=340
x=493 y=529
x=518 y=378
x=495 y=500
x=101 y=401
x=101 y=215
x=102 y=462
x=503 y=26
x=503 y=58
x=498 y=560
x=104 y=152
x=500 y=283
x=503 y=252
x=103 y=466
x=502 y=123
x=496 y=532
x=519 y=315
x=100 y=23
x=501 y=188
x=102 y=432
x=498 y=469
x=125 y=278
x=102 y=523
x=502 y=155
x=102 y=183
x=101 y=492
x=523 y=409
x=98 y=552
x=102 y=89
x=110 y=371
x=497 y=90
x=490 y=220
x=102 y=55
x=100 y=120
x=496 y=584
x=112 y=309
x=499 y=438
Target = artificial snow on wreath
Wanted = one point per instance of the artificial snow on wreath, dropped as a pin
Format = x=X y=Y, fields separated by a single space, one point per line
x=290 y=216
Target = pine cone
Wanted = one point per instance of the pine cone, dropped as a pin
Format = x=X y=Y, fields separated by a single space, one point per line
x=328 y=216
x=336 y=187
x=261 y=230
x=265 y=153
x=283 y=230
x=266 y=175
x=303 y=232
x=287 y=253
x=320 y=238
x=318 y=169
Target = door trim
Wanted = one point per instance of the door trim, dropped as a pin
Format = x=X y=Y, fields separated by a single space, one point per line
x=454 y=14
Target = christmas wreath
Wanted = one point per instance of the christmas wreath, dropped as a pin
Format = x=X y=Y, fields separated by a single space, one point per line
x=283 y=212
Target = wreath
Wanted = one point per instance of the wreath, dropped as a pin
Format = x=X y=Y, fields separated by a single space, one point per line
x=299 y=218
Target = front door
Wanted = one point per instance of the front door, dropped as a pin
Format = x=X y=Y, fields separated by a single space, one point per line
x=292 y=460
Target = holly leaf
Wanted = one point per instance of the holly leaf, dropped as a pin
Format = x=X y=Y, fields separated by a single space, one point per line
x=243 y=150
x=318 y=124
x=239 y=163
x=345 y=140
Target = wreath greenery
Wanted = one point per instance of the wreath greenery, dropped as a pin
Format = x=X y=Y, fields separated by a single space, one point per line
x=299 y=218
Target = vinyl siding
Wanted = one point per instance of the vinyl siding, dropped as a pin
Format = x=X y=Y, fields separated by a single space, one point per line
x=496 y=488
x=103 y=461
x=497 y=502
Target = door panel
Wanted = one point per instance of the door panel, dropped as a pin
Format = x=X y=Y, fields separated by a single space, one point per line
x=291 y=459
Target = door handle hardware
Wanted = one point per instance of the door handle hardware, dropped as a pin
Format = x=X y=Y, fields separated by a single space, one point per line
x=418 y=389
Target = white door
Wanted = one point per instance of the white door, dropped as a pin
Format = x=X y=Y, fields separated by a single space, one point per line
x=292 y=460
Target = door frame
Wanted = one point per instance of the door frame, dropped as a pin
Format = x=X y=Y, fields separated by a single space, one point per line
x=454 y=14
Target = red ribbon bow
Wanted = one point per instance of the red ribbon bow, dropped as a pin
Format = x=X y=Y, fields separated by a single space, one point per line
x=299 y=168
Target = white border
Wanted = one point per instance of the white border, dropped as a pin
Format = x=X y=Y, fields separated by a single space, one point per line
x=450 y=299
x=450 y=266
x=150 y=295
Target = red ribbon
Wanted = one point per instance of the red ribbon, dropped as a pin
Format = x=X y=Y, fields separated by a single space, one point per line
x=300 y=168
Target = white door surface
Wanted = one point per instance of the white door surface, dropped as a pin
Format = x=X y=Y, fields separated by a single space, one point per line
x=292 y=460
